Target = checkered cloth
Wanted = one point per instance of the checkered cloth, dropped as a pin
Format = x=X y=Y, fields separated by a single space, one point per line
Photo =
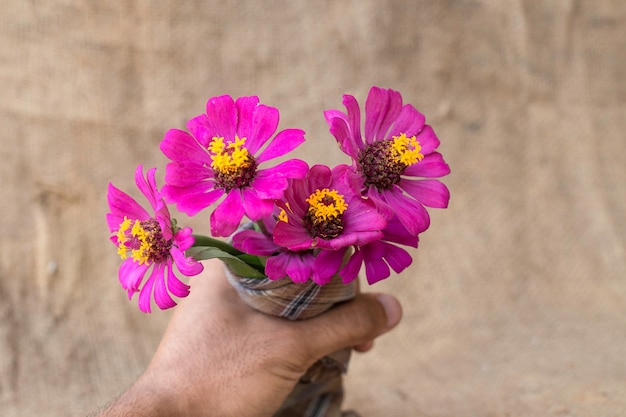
x=320 y=391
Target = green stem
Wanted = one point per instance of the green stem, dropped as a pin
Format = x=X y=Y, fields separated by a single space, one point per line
x=202 y=240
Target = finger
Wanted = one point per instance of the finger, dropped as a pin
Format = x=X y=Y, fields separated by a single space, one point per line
x=350 y=324
x=364 y=347
x=211 y=282
x=210 y=294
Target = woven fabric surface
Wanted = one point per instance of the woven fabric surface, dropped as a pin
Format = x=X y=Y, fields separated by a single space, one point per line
x=516 y=301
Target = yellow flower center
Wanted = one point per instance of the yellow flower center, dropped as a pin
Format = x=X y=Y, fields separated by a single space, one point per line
x=324 y=216
x=406 y=150
x=122 y=250
x=142 y=240
x=232 y=164
x=282 y=216
x=325 y=205
x=229 y=158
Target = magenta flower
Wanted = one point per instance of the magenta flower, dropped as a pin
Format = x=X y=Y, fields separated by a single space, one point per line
x=324 y=211
x=221 y=158
x=397 y=145
x=381 y=254
x=147 y=241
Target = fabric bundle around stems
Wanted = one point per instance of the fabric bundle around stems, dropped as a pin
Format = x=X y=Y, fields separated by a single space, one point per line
x=320 y=391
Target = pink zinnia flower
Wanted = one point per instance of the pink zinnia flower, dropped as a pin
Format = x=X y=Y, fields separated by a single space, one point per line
x=147 y=241
x=324 y=211
x=221 y=157
x=396 y=145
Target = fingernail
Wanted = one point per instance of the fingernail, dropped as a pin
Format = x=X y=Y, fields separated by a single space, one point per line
x=392 y=307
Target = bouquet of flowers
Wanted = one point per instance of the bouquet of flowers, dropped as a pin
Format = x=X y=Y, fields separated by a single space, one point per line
x=297 y=236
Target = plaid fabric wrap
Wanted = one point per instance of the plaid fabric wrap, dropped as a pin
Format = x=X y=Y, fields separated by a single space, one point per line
x=320 y=391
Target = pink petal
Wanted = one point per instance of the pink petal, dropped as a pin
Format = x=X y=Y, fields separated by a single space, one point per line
x=130 y=275
x=254 y=243
x=348 y=180
x=298 y=270
x=191 y=203
x=161 y=295
x=326 y=265
x=186 y=182
x=351 y=269
x=376 y=269
x=121 y=204
x=397 y=258
x=363 y=217
x=189 y=174
x=165 y=222
x=276 y=266
x=411 y=213
x=269 y=183
x=254 y=207
x=264 y=124
x=379 y=201
x=180 y=146
x=226 y=217
x=320 y=177
x=284 y=142
x=432 y=166
x=199 y=128
x=176 y=286
x=428 y=140
x=396 y=232
x=245 y=111
x=354 y=119
x=340 y=129
x=329 y=115
x=145 y=296
x=183 y=239
x=296 y=194
x=350 y=239
x=270 y=221
x=375 y=107
x=293 y=168
x=291 y=236
x=431 y=193
x=147 y=188
x=222 y=116
x=410 y=121
x=186 y=265
x=382 y=108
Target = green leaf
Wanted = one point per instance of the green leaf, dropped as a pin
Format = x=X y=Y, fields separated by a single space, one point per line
x=206 y=241
x=238 y=266
x=253 y=260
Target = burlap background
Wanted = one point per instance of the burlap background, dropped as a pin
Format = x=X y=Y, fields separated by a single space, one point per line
x=516 y=303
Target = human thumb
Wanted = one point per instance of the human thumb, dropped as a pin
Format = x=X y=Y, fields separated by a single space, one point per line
x=352 y=323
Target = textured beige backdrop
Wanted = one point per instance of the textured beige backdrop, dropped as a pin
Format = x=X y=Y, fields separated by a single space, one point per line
x=516 y=302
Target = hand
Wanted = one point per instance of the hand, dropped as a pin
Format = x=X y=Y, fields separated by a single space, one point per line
x=219 y=357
